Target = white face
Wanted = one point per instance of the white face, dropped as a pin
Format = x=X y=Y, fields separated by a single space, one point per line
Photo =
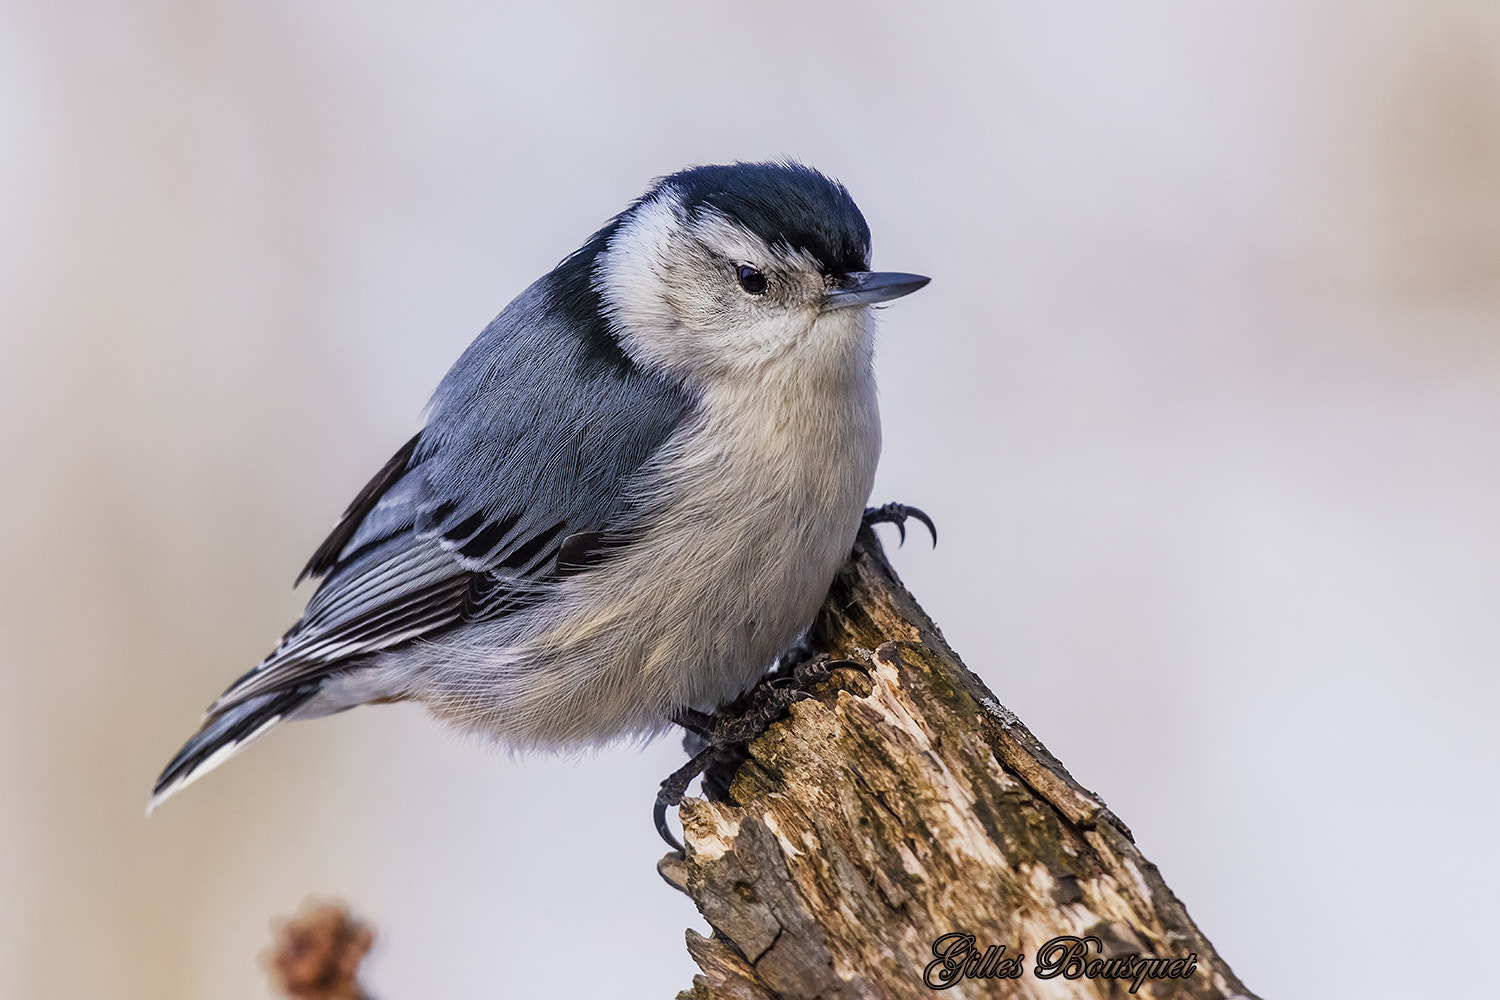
x=708 y=299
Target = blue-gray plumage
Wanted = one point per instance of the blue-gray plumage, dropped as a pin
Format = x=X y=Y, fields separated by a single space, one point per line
x=631 y=493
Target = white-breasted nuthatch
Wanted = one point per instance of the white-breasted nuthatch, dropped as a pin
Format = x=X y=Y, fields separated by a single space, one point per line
x=631 y=493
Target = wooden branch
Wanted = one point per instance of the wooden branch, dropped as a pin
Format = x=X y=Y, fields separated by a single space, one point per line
x=901 y=807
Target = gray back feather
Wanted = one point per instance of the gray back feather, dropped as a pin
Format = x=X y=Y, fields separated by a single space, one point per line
x=533 y=436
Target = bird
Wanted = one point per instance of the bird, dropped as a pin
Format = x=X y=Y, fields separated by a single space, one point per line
x=630 y=494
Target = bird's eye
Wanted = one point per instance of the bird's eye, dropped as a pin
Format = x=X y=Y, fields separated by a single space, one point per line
x=751 y=280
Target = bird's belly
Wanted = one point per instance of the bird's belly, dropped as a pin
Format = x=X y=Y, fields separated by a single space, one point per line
x=730 y=568
x=698 y=609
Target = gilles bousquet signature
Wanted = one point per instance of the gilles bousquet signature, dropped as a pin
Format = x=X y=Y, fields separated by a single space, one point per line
x=958 y=956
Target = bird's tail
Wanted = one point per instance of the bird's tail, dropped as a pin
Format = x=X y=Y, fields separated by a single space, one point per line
x=225 y=733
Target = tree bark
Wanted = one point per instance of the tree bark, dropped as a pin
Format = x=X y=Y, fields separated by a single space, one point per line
x=905 y=804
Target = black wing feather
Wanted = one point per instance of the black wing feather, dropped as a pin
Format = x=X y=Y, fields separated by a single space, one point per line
x=327 y=555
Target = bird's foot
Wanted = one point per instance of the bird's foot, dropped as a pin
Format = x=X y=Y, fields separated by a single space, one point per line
x=719 y=741
x=897 y=513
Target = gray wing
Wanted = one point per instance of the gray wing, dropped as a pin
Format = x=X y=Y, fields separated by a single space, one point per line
x=531 y=442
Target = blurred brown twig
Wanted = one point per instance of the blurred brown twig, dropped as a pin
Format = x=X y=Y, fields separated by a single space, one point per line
x=316 y=955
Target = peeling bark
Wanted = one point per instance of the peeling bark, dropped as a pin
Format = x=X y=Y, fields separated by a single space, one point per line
x=904 y=805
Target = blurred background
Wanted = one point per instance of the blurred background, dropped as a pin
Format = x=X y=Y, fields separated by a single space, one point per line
x=1204 y=397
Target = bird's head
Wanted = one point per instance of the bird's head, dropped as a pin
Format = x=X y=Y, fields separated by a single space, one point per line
x=730 y=270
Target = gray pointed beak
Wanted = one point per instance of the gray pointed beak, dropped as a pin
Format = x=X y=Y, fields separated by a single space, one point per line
x=863 y=288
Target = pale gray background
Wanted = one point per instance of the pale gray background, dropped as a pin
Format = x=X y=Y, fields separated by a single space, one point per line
x=1204 y=395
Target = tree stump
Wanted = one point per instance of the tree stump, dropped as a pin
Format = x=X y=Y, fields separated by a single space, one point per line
x=902 y=832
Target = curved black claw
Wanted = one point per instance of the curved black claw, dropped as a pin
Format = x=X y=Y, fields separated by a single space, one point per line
x=674 y=788
x=659 y=817
x=825 y=668
x=897 y=513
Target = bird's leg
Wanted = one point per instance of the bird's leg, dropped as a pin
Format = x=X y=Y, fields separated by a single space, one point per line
x=672 y=790
x=897 y=513
x=700 y=724
x=722 y=737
